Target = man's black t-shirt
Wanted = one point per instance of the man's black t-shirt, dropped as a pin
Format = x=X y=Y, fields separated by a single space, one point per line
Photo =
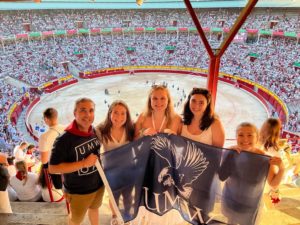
x=71 y=148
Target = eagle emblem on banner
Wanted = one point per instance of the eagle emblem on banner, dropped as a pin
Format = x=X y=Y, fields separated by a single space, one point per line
x=187 y=166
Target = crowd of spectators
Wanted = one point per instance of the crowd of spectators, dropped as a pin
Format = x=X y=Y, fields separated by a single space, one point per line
x=37 y=61
x=11 y=22
x=9 y=134
x=33 y=62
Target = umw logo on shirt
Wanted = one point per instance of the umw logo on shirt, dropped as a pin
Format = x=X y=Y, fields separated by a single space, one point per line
x=83 y=150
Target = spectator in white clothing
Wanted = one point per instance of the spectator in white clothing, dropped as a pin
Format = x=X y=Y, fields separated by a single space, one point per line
x=25 y=184
x=57 y=194
x=47 y=139
x=19 y=151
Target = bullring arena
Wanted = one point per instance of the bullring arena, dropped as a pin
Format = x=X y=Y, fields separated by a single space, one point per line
x=52 y=53
x=230 y=109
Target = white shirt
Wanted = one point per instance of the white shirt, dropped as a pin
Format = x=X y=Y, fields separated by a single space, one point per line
x=110 y=145
x=19 y=154
x=57 y=195
x=47 y=139
x=205 y=136
x=30 y=191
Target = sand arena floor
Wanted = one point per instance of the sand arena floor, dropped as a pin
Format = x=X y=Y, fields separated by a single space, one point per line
x=233 y=105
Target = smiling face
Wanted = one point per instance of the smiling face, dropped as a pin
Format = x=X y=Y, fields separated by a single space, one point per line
x=246 y=138
x=159 y=100
x=118 y=116
x=198 y=104
x=84 y=115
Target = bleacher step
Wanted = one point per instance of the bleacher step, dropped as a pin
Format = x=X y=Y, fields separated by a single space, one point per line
x=35 y=213
x=32 y=219
x=58 y=208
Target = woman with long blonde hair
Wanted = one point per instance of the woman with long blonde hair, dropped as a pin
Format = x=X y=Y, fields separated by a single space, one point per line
x=159 y=115
x=269 y=138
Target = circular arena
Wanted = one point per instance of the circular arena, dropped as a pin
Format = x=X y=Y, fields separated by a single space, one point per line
x=230 y=109
x=54 y=52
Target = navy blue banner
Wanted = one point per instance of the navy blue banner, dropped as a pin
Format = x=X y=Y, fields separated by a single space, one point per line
x=207 y=185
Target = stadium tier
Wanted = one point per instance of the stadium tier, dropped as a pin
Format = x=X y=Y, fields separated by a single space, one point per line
x=42 y=48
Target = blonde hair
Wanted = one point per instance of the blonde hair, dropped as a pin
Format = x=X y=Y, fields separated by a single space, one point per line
x=169 y=112
x=21 y=166
x=273 y=126
x=247 y=124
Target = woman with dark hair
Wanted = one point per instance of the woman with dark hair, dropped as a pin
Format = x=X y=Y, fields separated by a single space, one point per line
x=57 y=194
x=117 y=128
x=202 y=125
x=199 y=121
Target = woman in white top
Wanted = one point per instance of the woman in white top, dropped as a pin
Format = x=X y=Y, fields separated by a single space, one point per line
x=269 y=136
x=25 y=184
x=57 y=194
x=158 y=117
x=199 y=121
x=202 y=125
x=247 y=140
x=117 y=130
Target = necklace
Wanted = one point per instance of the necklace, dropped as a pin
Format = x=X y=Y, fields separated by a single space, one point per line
x=118 y=140
x=161 y=125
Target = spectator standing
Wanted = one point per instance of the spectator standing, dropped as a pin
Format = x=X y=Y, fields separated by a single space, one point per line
x=74 y=154
x=47 y=139
x=19 y=151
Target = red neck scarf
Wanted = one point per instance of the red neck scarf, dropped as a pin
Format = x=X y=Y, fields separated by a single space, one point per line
x=20 y=175
x=73 y=129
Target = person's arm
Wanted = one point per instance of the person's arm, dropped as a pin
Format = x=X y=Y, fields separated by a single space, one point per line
x=274 y=178
x=175 y=126
x=44 y=152
x=138 y=127
x=227 y=165
x=69 y=167
x=139 y=131
x=218 y=133
x=44 y=157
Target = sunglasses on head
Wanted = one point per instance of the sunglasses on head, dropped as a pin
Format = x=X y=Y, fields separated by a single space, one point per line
x=155 y=86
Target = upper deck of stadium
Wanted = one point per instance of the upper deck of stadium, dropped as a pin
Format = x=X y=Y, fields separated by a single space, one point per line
x=148 y=4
